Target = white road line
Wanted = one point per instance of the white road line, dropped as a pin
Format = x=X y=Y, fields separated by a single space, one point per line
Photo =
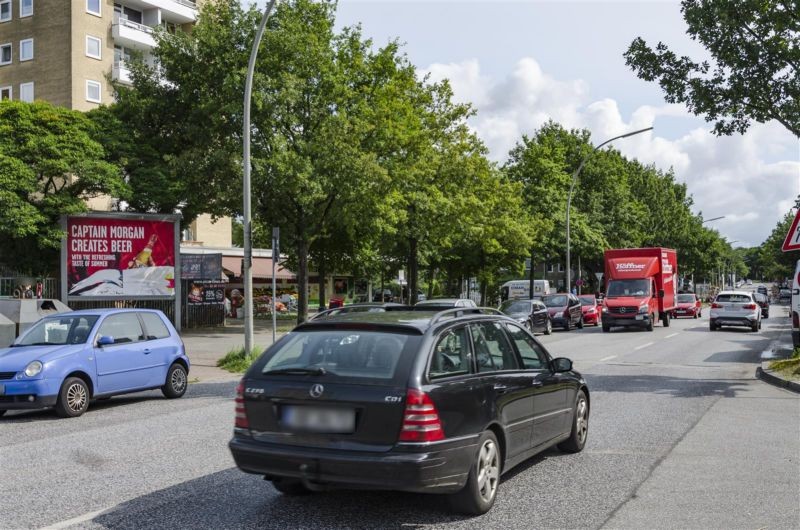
x=672 y=335
x=644 y=345
x=608 y=358
x=75 y=520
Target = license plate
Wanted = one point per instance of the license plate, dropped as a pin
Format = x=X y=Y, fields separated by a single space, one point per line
x=317 y=419
x=2 y=390
x=639 y=317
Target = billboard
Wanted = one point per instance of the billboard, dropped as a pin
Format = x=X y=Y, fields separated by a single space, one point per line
x=120 y=255
x=205 y=292
x=201 y=266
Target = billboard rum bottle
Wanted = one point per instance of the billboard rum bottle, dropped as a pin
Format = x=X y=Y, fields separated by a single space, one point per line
x=145 y=257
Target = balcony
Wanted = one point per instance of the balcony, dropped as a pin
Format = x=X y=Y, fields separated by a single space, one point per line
x=121 y=73
x=132 y=35
x=177 y=11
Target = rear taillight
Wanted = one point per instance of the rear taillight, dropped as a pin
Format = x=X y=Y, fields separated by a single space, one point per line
x=241 y=414
x=749 y=306
x=716 y=306
x=421 y=421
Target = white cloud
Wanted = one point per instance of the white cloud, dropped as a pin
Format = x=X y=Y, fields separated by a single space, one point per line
x=751 y=179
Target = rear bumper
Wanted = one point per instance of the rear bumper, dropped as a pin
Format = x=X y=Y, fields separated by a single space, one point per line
x=734 y=321
x=590 y=318
x=432 y=468
x=629 y=322
x=677 y=313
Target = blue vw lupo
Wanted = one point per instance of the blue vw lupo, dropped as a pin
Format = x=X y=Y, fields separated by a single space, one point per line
x=63 y=361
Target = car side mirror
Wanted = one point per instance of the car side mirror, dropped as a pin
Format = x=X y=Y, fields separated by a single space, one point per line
x=661 y=293
x=562 y=364
x=105 y=340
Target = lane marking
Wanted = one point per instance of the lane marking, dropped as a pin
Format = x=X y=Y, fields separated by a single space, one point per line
x=672 y=335
x=644 y=346
x=608 y=358
x=75 y=520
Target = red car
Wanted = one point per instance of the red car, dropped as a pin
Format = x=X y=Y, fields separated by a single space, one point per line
x=687 y=305
x=590 y=308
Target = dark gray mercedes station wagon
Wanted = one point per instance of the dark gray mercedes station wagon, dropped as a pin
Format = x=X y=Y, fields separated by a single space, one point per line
x=433 y=402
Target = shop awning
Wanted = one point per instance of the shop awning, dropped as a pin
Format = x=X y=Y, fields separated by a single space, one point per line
x=262 y=268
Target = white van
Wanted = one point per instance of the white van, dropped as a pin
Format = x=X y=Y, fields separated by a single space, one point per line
x=794 y=309
x=521 y=289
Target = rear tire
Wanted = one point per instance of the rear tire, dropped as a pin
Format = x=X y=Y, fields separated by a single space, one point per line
x=650 y=322
x=580 y=426
x=606 y=328
x=568 y=325
x=176 y=383
x=580 y=323
x=665 y=320
x=548 y=327
x=480 y=491
x=290 y=487
x=73 y=398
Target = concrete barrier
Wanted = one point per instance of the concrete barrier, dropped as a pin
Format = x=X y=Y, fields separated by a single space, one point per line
x=26 y=312
x=8 y=331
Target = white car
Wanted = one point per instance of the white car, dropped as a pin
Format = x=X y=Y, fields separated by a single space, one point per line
x=735 y=308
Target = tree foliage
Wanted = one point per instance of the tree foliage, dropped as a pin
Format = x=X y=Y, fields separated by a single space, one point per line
x=50 y=164
x=754 y=74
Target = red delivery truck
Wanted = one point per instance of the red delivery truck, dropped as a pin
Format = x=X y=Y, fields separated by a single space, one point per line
x=641 y=284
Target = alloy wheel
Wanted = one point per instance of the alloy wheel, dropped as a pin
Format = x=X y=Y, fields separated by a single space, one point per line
x=488 y=470
x=178 y=380
x=76 y=397
x=582 y=421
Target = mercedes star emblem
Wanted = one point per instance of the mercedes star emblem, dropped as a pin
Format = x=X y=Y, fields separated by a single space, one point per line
x=316 y=391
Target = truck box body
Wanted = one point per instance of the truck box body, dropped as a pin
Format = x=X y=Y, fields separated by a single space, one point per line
x=640 y=286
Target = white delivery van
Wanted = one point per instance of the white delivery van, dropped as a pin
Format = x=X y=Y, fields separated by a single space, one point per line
x=521 y=289
x=794 y=309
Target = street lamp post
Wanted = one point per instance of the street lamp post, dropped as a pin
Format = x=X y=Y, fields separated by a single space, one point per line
x=247 y=262
x=572 y=188
x=713 y=219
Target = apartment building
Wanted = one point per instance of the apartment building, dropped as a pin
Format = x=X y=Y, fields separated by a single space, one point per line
x=66 y=51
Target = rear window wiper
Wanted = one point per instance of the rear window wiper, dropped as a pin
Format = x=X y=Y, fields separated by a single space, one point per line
x=298 y=371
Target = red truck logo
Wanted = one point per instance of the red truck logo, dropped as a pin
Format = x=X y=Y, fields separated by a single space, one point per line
x=630 y=266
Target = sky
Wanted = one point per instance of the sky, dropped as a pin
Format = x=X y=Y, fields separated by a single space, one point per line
x=521 y=63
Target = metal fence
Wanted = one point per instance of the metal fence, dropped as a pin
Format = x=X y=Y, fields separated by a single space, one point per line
x=25 y=287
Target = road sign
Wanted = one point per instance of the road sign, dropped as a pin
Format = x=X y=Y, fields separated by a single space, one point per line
x=792 y=241
x=579 y=282
x=599 y=276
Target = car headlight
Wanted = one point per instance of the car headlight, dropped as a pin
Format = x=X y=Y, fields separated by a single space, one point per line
x=590 y=312
x=605 y=309
x=34 y=368
x=643 y=310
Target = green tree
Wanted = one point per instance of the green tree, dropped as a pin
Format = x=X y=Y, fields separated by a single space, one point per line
x=775 y=263
x=754 y=74
x=50 y=164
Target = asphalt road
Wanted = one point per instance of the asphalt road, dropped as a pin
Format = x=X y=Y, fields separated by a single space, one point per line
x=681 y=435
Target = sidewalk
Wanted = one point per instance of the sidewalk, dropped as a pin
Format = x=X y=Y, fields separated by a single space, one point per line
x=205 y=346
x=782 y=348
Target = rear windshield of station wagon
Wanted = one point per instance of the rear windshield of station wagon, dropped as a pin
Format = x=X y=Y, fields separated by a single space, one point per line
x=734 y=298
x=354 y=354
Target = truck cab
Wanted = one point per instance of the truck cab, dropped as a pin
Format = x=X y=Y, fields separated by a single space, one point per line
x=640 y=287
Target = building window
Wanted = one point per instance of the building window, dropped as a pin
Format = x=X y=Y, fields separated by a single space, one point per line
x=6 y=92
x=93 y=7
x=93 y=91
x=25 y=8
x=94 y=47
x=5 y=10
x=549 y=267
x=560 y=267
x=26 y=92
x=26 y=50
x=5 y=53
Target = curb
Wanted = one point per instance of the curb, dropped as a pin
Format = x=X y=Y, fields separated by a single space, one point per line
x=767 y=377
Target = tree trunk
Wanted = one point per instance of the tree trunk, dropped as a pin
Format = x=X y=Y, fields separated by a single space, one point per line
x=531 y=278
x=302 y=280
x=413 y=269
x=322 y=273
x=431 y=279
